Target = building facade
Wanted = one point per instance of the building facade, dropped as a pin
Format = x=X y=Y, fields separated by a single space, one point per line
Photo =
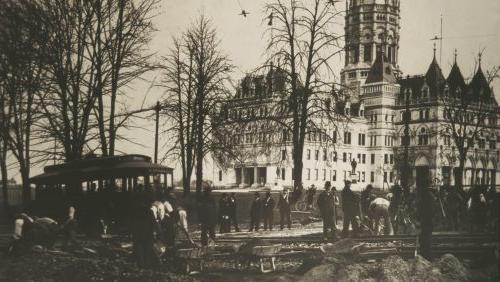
x=371 y=134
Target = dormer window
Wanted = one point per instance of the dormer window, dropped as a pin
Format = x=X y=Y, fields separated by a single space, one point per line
x=425 y=93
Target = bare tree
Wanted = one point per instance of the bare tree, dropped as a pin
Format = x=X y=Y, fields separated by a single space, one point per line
x=4 y=127
x=179 y=108
x=20 y=73
x=196 y=74
x=119 y=36
x=303 y=42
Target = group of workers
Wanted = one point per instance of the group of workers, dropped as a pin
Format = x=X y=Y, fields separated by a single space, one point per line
x=39 y=233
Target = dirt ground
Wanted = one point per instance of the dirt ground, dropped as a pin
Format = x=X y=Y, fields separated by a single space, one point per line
x=110 y=260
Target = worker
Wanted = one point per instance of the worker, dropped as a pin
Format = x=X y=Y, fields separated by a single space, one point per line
x=255 y=213
x=143 y=235
x=366 y=198
x=232 y=216
x=69 y=228
x=284 y=207
x=350 y=207
x=268 y=211
x=224 y=214
x=208 y=216
x=379 y=209
x=311 y=192
x=326 y=205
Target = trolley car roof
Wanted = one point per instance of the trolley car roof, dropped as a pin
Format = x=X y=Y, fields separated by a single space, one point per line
x=100 y=168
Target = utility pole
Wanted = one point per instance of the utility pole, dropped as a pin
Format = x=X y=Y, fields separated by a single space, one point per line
x=157 y=121
x=406 y=166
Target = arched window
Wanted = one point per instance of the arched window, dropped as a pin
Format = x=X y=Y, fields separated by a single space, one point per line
x=423 y=137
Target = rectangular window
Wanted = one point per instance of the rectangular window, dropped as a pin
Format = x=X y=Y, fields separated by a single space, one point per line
x=361 y=139
x=283 y=155
x=316 y=155
x=325 y=155
x=385 y=176
x=391 y=177
x=344 y=157
x=334 y=176
x=316 y=172
x=363 y=159
x=220 y=175
x=386 y=158
x=347 y=138
x=372 y=159
x=391 y=159
x=359 y=158
x=324 y=174
x=308 y=174
x=345 y=174
x=367 y=53
x=334 y=156
x=372 y=176
x=363 y=179
x=308 y=154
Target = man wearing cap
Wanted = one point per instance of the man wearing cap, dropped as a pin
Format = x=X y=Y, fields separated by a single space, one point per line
x=255 y=213
x=350 y=207
x=285 y=212
x=326 y=204
x=268 y=211
x=208 y=216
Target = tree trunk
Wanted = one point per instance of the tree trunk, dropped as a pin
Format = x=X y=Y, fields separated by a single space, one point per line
x=459 y=176
x=3 y=170
x=26 y=192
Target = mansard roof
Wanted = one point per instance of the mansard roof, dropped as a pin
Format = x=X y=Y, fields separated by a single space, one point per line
x=381 y=71
x=456 y=80
x=435 y=78
x=414 y=83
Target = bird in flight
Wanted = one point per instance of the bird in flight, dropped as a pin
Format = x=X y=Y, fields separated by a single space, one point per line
x=244 y=13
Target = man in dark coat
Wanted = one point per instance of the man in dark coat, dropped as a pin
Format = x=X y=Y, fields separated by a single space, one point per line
x=224 y=214
x=143 y=235
x=268 y=211
x=232 y=216
x=366 y=198
x=350 y=207
x=208 y=216
x=285 y=212
x=326 y=205
x=255 y=213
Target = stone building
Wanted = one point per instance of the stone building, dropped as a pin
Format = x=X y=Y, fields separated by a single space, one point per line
x=374 y=103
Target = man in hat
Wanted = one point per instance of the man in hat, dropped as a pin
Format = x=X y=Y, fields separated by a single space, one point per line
x=350 y=207
x=326 y=204
x=284 y=207
x=208 y=216
x=268 y=211
x=366 y=198
x=224 y=214
x=232 y=217
x=255 y=213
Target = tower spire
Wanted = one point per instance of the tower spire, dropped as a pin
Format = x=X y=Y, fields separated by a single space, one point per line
x=456 y=55
x=434 y=48
x=480 y=57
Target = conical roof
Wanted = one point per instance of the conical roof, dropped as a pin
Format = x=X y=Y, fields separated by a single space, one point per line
x=479 y=87
x=435 y=78
x=456 y=80
x=381 y=70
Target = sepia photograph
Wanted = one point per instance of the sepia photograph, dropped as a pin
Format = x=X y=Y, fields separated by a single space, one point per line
x=249 y=140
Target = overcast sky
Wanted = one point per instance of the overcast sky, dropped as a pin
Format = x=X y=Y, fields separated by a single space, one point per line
x=469 y=26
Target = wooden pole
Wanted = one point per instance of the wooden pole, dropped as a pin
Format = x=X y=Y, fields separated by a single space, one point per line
x=157 y=109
